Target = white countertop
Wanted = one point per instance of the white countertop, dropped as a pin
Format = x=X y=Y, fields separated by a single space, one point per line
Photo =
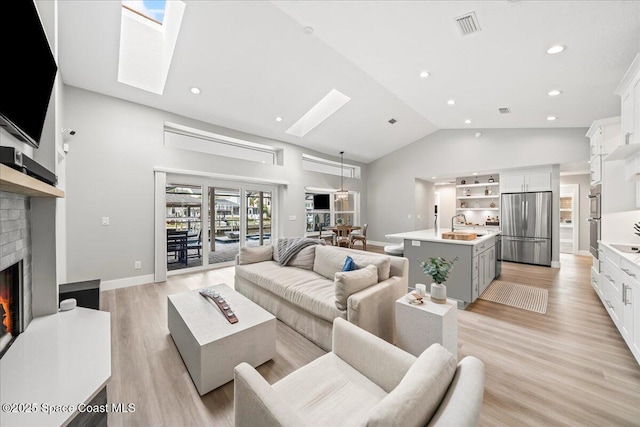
x=633 y=257
x=431 y=235
x=62 y=359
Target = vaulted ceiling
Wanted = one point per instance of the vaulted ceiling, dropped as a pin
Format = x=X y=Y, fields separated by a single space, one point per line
x=258 y=60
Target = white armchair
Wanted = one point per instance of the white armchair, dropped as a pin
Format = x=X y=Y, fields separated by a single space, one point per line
x=364 y=381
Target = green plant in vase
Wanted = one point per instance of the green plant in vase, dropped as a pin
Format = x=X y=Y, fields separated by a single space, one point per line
x=439 y=269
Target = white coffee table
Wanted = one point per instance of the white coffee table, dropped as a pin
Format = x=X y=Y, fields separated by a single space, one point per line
x=210 y=346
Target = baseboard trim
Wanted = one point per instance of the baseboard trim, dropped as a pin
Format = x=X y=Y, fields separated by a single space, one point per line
x=583 y=252
x=108 y=285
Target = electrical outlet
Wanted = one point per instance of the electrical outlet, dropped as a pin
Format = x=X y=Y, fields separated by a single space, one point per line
x=137 y=265
x=105 y=220
x=409 y=216
x=415 y=243
x=292 y=217
x=418 y=216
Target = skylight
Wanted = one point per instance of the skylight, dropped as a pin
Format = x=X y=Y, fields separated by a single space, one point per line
x=150 y=9
x=148 y=35
x=318 y=113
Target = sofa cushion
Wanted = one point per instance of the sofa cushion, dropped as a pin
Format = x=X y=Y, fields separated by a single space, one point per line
x=303 y=259
x=253 y=254
x=300 y=287
x=329 y=392
x=414 y=401
x=350 y=282
x=330 y=259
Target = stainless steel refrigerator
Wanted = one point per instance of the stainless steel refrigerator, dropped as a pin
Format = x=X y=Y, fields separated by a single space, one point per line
x=526 y=227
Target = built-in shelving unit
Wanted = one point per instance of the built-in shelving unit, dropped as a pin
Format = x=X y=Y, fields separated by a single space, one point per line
x=478 y=198
x=13 y=181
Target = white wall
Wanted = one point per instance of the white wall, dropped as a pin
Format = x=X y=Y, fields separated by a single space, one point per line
x=457 y=153
x=109 y=172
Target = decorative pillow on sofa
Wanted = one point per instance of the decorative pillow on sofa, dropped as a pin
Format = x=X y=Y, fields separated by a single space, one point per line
x=383 y=262
x=414 y=401
x=349 y=264
x=250 y=255
x=303 y=259
x=350 y=282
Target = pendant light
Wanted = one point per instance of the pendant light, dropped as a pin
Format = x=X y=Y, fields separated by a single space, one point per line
x=342 y=194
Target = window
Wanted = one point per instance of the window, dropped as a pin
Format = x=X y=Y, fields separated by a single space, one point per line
x=318 y=164
x=340 y=211
x=183 y=137
x=150 y=9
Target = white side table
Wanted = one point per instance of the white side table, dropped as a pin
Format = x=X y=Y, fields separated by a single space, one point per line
x=419 y=326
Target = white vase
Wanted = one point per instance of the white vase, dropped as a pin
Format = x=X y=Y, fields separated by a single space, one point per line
x=438 y=293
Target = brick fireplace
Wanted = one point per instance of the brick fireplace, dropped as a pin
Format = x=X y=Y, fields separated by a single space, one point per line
x=15 y=235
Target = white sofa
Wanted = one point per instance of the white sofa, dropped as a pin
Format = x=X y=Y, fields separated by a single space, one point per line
x=308 y=295
x=364 y=381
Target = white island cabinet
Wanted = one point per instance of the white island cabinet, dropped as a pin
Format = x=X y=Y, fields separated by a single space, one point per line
x=619 y=290
x=471 y=274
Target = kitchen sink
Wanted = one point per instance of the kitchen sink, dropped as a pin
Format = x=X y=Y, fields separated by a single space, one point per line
x=628 y=249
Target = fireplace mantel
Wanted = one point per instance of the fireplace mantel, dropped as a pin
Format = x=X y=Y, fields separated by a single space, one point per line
x=13 y=181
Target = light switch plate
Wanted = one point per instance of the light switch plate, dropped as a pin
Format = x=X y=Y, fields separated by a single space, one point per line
x=292 y=217
x=415 y=243
x=105 y=220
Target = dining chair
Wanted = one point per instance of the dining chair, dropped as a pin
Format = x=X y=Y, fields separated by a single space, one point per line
x=361 y=237
x=342 y=236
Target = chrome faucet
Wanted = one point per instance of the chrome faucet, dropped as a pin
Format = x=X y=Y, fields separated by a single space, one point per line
x=464 y=218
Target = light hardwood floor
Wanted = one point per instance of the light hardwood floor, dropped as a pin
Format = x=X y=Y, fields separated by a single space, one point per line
x=567 y=367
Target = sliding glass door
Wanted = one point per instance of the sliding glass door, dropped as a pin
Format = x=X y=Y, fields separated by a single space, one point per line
x=258 y=218
x=183 y=225
x=205 y=222
x=224 y=224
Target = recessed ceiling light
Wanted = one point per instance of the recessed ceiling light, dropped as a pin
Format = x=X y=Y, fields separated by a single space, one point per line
x=278 y=119
x=467 y=121
x=195 y=90
x=308 y=30
x=433 y=177
x=556 y=49
x=475 y=173
x=554 y=92
x=451 y=102
x=552 y=118
x=478 y=134
x=424 y=74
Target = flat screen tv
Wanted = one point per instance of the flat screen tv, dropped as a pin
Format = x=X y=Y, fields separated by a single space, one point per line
x=321 y=202
x=28 y=72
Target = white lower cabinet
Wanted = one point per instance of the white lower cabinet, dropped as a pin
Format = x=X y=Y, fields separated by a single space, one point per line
x=619 y=290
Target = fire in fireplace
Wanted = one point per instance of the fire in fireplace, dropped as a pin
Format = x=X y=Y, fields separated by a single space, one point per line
x=10 y=305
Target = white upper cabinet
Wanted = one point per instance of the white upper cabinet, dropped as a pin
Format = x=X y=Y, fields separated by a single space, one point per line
x=525 y=182
x=604 y=137
x=629 y=92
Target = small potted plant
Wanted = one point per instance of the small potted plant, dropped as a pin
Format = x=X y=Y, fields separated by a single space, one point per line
x=438 y=268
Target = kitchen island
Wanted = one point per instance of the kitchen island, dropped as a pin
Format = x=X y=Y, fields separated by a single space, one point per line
x=476 y=267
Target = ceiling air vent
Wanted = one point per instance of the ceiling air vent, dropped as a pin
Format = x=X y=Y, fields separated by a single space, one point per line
x=392 y=121
x=504 y=110
x=468 y=23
